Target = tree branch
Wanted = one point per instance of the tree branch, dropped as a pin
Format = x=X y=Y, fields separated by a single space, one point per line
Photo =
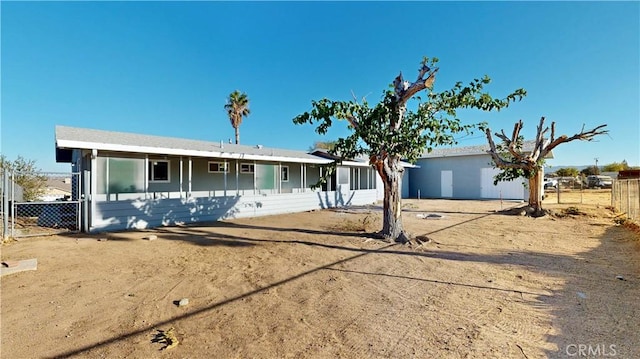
x=499 y=161
x=352 y=121
x=582 y=136
x=419 y=85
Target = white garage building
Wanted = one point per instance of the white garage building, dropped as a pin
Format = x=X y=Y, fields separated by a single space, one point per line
x=463 y=173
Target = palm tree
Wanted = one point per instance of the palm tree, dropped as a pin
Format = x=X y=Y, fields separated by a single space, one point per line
x=237 y=107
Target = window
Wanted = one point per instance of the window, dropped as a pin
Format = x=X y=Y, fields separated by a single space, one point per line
x=284 y=176
x=158 y=171
x=343 y=175
x=247 y=168
x=218 y=167
x=120 y=175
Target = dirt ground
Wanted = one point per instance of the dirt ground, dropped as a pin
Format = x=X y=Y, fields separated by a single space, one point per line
x=312 y=285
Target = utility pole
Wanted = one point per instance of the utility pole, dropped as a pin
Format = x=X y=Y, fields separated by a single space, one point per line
x=597 y=169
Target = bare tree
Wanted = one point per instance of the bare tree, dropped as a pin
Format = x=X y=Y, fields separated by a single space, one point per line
x=514 y=162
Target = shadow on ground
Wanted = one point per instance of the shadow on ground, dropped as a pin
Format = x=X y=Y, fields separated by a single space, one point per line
x=576 y=308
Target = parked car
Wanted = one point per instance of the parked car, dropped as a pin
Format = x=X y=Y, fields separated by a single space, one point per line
x=594 y=181
x=550 y=182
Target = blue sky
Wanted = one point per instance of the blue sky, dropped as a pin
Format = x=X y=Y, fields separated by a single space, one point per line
x=166 y=68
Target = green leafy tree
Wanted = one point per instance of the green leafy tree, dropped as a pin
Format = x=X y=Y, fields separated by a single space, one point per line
x=567 y=172
x=388 y=132
x=237 y=107
x=590 y=171
x=517 y=162
x=616 y=166
x=26 y=175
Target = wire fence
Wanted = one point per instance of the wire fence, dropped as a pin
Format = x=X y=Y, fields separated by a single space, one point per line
x=571 y=190
x=626 y=197
x=39 y=203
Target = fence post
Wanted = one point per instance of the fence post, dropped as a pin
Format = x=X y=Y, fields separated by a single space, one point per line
x=638 y=196
x=86 y=200
x=629 y=199
x=13 y=204
x=5 y=204
x=613 y=192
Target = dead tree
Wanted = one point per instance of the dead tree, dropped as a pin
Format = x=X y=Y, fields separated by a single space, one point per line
x=510 y=155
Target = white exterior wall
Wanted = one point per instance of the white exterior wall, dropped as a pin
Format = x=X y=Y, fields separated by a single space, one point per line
x=147 y=213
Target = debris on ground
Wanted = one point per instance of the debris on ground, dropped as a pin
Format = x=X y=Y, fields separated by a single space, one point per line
x=429 y=216
x=10 y=264
x=151 y=237
x=168 y=338
x=183 y=302
x=101 y=239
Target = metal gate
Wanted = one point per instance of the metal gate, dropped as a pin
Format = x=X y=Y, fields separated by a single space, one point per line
x=40 y=203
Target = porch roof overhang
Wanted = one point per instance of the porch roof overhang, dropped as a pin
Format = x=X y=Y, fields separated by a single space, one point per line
x=86 y=139
x=358 y=162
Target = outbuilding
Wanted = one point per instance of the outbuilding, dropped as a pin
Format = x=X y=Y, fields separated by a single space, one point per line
x=463 y=173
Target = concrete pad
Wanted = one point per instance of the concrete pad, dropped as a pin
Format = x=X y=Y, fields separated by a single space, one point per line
x=23 y=265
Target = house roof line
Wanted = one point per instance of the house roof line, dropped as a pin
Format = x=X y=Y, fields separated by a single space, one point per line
x=361 y=161
x=183 y=152
x=527 y=146
x=80 y=138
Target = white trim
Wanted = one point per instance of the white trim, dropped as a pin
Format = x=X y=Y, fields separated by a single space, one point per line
x=224 y=165
x=190 y=175
x=181 y=176
x=146 y=174
x=181 y=152
x=237 y=177
x=253 y=168
x=94 y=186
x=153 y=180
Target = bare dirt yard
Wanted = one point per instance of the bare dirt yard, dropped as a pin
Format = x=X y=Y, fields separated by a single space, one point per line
x=313 y=285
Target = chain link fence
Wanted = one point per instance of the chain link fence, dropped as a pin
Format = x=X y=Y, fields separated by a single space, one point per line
x=576 y=190
x=40 y=203
x=626 y=197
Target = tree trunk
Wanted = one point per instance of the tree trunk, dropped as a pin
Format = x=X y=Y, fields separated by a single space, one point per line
x=535 y=192
x=237 y=135
x=390 y=171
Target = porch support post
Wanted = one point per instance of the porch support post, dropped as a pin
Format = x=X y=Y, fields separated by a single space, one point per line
x=255 y=170
x=146 y=176
x=302 y=168
x=226 y=168
x=106 y=176
x=237 y=177
x=189 y=176
x=181 y=176
x=86 y=195
x=94 y=183
x=279 y=177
